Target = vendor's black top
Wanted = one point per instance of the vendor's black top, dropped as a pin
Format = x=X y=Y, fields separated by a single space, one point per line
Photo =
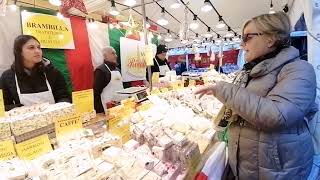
x=155 y=67
x=33 y=82
x=102 y=77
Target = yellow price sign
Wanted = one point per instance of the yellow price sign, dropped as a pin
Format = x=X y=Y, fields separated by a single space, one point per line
x=180 y=84
x=5 y=131
x=155 y=91
x=192 y=83
x=155 y=77
x=145 y=106
x=205 y=80
x=129 y=104
x=128 y=112
x=7 y=151
x=123 y=132
x=83 y=101
x=163 y=90
x=33 y=148
x=113 y=122
x=2 y=110
x=67 y=125
x=174 y=85
x=115 y=111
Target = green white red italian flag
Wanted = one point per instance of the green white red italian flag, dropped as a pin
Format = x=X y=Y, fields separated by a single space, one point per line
x=76 y=65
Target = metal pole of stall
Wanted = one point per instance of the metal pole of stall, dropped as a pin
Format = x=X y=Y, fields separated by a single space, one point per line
x=220 y=56
x=145 y=32
x=187 y=61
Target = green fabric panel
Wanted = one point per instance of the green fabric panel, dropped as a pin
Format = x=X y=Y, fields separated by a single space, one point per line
x=114 y=38
x=56 y=56
x=155 y=40
x=58 y=59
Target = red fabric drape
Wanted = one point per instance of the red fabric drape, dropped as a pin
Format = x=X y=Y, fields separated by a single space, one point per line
x=201 y=176
x=79 y=60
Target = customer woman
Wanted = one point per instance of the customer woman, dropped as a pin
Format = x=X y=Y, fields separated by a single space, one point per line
x=268 y=105
x=31 y=79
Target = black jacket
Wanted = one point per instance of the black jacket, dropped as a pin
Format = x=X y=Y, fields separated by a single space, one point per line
x=102 y=77
x=34 y=82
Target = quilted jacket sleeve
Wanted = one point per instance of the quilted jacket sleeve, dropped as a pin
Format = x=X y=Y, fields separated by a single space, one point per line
x=285 y=105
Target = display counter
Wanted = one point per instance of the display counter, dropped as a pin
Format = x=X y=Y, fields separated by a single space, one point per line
x=169 y=136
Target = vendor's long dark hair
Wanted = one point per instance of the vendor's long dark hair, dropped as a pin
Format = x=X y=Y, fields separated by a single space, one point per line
x=17 y=50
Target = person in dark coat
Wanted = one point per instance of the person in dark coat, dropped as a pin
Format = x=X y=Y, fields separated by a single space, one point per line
x=31 y=79
x=107 y=80
x=181 y=66
x=160 y=63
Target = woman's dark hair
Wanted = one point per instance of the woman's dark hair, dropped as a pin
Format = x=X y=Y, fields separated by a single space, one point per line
x=17 y=51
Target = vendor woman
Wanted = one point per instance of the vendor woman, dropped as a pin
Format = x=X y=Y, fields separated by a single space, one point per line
x=31 y=79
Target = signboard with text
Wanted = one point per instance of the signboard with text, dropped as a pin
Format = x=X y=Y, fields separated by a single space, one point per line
x=134 y=59
x=83 y=100
x=33 y=148
x=67 y=125
x=52 y=31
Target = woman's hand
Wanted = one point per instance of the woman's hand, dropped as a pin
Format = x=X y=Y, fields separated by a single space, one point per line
x=207 y=90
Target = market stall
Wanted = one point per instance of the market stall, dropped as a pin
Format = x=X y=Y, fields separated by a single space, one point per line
x=160 y=132
x=169 y=136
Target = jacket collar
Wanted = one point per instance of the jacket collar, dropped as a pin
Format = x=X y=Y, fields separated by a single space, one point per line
x=111 y=65
x=250 y=65
x=286 y=55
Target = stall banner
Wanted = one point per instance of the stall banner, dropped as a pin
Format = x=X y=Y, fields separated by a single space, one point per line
x=133 y=64
x=52 y=32
x=133 y=59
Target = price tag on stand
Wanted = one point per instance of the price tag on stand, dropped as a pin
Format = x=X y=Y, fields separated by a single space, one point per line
x=67 y=125
x=113 y=122
x=192 y=83
x=114 y=116
x=155 y=78
x=7 y=151
x=164 y=90
x=180 y=84
x=128 y=103
x=83 y=101
x=174 y=86
x=116 y=123
x=205 y=81
x=2 y=110
x=123 y=131
x=155 y=91
x=33 y=148
x=145 y=106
